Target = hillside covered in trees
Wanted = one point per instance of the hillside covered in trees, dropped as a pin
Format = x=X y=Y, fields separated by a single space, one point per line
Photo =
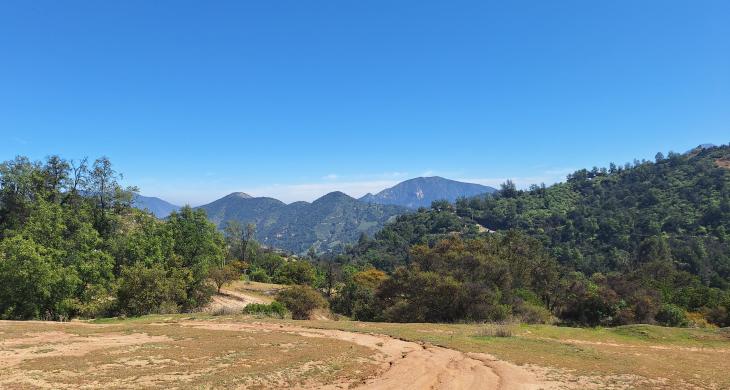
x=72 y=245
x=675 y=211
x=642 y=243
x=324 y=225
x=646 y=242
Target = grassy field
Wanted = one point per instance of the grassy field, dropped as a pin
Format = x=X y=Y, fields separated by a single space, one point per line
x=203 y=351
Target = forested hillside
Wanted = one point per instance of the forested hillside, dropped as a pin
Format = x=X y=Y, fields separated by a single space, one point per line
x=642 y=243
x=325 y=225
x=71 y=244
x=675 y=210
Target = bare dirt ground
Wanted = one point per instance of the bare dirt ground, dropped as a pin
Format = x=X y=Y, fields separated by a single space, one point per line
x=224 y=353
x=409 y=365
x=232 y=301
x=628 y=357
x=246 y=352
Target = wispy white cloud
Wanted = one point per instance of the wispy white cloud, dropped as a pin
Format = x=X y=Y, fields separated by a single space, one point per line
x=331 y=176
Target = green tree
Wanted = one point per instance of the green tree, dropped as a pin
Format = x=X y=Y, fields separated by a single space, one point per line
x=199 y=246
x=223 y=275
x=145 y=290
x=295 y=272
x=32 y=285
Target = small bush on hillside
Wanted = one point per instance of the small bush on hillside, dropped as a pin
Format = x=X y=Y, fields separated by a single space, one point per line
x=698 y=320
x=529 y=313
x=672 y=315
x=224 y=311
x=301 y=301
x=719 y=316
x=259 y=275
x=275 y=309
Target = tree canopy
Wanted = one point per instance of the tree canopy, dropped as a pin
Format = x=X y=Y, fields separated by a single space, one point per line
x=71 y=244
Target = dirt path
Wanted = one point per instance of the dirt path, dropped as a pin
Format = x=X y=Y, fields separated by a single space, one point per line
x=411 y=365
x=232 y=301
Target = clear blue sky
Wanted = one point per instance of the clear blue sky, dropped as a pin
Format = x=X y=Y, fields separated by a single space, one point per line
x=192 y=100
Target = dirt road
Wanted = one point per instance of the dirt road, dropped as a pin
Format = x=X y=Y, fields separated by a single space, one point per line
x=232 y=301
x=408 y=365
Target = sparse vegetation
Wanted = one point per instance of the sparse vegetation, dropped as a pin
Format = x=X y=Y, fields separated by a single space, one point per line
x=494 y=330
x=274 y=309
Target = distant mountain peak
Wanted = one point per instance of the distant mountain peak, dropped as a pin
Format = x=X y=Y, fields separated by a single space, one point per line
x=241 y=195
x=421 y=191
x=336 y=195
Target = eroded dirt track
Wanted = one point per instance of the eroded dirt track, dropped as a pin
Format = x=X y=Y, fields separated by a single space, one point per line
x=409 y=365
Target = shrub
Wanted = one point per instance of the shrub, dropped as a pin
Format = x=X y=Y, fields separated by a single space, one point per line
x=530 y=313
x=671 y=315
x=301 y=301
x=145 y=290
x=259 y=275
x=224 y=311
x=719 y=316
x=698 y=320
x=274 y=309
x=295 y=272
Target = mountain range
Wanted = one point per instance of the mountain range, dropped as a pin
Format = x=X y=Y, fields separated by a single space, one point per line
x=328 y=223
x=421 y=191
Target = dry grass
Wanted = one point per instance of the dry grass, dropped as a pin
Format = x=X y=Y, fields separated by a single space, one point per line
x=160 y=353
x=494 y=330
x=265 y=291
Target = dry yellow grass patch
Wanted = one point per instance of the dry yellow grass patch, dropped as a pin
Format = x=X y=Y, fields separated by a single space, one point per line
x=137 y=354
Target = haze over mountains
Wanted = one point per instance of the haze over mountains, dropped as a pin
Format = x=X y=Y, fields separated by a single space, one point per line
x=327 y=223
x=158 y=207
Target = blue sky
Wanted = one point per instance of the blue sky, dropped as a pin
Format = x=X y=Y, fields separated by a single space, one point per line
x=192 y=100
